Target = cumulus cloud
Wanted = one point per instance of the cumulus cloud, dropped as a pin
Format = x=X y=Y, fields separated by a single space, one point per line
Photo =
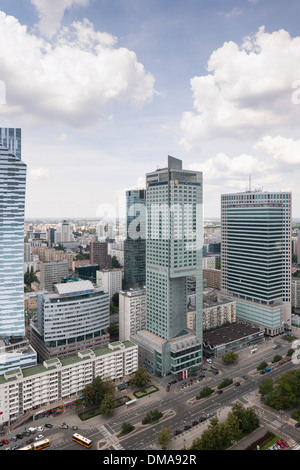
x=39 y=173
x=70 y=80
x=51 y=13
x=247 y=90
x=282 y=149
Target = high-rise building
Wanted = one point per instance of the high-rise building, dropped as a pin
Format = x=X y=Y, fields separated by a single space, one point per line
x=135 y=243
x=132 y=312
x=12 y=208
x=14 y=348
x=256 y=256
x=173 y=252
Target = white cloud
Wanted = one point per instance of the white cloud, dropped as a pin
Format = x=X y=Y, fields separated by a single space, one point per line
x=282 y=149
x=51 y=13
x=247 y=91
x=39 y=173
x=69 y=81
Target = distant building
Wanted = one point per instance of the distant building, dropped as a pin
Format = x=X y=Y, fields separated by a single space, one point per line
x=135 y=243
x=215 y=314
x=212 y=277
x=52 y=273
x=99 y=254
x=132 y=312
x=110 y=279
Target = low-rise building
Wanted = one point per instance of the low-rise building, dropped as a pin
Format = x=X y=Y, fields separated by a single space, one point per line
x=24 y=393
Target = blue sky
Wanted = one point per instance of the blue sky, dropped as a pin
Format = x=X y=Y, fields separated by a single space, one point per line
x=105 y=90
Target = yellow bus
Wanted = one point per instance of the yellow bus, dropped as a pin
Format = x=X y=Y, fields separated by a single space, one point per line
x=37 y=445
x=41 y=444
x=84 y=441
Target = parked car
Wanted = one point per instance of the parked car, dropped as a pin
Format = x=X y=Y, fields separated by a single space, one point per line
x=64 y=426
x=48 y=425
x=39 y=437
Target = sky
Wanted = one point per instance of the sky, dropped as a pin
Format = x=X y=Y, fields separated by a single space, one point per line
x=105 y=90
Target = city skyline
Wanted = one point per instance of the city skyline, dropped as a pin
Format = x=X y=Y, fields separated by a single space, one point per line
x=216 y=86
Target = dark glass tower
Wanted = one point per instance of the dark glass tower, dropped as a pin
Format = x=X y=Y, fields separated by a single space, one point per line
x=135 y=243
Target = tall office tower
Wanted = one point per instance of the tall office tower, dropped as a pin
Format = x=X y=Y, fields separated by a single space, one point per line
x=99 y=254
x=135 y=243
x=256 y=257
x=15 y=350
x=173 y=252
x=12 y=207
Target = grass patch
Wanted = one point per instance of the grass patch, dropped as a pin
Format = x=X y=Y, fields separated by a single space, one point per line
x=145 y=391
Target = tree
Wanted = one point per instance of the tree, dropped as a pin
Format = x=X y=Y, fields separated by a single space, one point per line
x=230 y=357
x=262 y=365
x=107 y=404
x=115 y=299
x=94 y=392
x=164 y=437
x=205 y=392
x=141 y=377
x=266 y=387
x=152 y=416
x=127 y=428
x=115 y=263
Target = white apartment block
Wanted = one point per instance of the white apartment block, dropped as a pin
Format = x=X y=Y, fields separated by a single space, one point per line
x=214 y=315
x=45 y=386
x=110 y=280
x=132 y=312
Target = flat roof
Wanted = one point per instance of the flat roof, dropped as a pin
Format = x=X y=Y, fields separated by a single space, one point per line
x=233 y=332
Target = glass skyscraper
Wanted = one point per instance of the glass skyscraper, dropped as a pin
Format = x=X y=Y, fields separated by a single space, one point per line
x=135 y=243
x=12 y=211
x=256 y=256
x=174 y=243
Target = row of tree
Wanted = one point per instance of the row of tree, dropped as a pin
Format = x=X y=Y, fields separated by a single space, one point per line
x=282 y=394
x=222 y=435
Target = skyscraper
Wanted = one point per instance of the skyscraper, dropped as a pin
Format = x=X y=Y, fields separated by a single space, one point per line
x=12 y=208
x=173 y=252
x=135 y=243
x=256 y=256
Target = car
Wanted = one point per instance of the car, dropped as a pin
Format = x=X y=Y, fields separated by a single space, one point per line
x=5 y=441
x=297 y=425
x=262 y=372
x=39 y=437
x=30 y=441
x=75 y=428
x=237 y=384
x=19 y=436
x=203 y=418
x=40 y=429
x=168 y=389
x=183 y=383
x=194 y=423
x=48 y=425
x=177 y=432
x=186 y=427
x=1 y=444
x=219 y=392
x=13 y=438
x=26 y=433
x=64 y=426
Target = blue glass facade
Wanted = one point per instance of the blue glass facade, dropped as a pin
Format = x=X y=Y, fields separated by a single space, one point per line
x=12 y=211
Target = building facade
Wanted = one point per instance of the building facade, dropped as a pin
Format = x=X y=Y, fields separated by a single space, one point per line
x=52 y=273
x=12 y=208
x=132 y=312
x=135 y=243
x=110 y=280
x=173 y=253
x=25 y=393
x=72 y=318
x=256 y=256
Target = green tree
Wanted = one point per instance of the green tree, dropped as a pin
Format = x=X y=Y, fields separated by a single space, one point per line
x=230 y=358
x=94 y=392
x=266 y=387
x=164 y=437
x=205 y=392
x=262 y=365
x=152 y=416
x=276 y=358
x=115 y=299
x=107 y=404
x=115 y=263
x=127 y=428
x=141 y=377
